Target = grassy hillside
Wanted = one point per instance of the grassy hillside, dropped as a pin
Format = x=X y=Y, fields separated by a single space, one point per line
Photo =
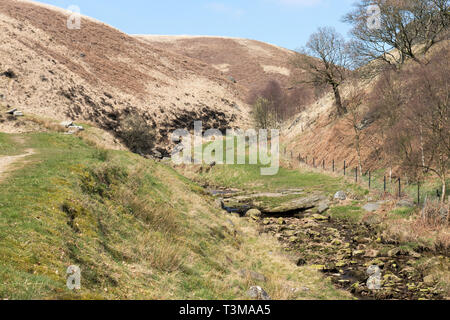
x=136 y=228
x=377 y=232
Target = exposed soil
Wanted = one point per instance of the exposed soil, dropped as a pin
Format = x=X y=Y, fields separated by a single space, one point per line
x=7 y=162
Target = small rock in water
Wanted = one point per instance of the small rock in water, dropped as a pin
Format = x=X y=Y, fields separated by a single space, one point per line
x=319 y=217
x=397 y=252
x=340 y=195
x=258 y=293
x=358 y=253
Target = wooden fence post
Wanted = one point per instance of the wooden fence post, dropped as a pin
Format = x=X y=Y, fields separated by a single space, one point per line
x=418 y=193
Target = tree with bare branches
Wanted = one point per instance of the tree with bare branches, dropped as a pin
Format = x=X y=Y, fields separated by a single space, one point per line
x=416 y=113
x=407 y=29
x=264 y=115
x=327 y=60
x=356 y=119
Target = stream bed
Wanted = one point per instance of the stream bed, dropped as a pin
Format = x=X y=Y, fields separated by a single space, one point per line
x=345 y=250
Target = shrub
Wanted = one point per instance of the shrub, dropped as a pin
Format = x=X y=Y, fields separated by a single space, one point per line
x=137 y=134
x=263 y=114
x=100 y=179
x=435 y=213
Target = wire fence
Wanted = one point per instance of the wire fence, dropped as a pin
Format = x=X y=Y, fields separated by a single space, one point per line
x=390 y=185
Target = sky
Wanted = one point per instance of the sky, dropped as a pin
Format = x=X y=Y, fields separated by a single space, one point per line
x=286 y=23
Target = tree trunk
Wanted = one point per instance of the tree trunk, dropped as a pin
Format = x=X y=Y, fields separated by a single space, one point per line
x=444 y=189
x=390 y=175
x=358 y=150
x=422 y=145
x=341 y=109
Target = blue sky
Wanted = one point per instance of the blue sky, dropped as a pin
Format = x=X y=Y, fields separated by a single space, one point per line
x=287 y=23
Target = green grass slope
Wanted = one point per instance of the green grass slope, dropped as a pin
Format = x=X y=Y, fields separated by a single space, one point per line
x=136 y=228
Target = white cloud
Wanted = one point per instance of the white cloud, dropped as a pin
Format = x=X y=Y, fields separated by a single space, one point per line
x=302 y=3
x=222 y=8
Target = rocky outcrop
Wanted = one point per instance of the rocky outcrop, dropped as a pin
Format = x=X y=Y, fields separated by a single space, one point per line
x=285 y=202
x=355 y=257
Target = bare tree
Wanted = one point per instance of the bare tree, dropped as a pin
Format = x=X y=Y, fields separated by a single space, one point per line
x=356 y=119
x=417 y=115
x=268 y=104
x=327 y=59
x=263 y=114
x=284 y=103
x=407 y=29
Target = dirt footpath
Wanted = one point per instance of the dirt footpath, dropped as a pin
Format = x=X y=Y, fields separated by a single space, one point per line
x=7 y=162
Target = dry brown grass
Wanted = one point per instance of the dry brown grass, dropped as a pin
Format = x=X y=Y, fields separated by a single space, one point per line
x=435 y=214
x=70 y=74
x=252 y=63
x=426 y=227
x=46 y=124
